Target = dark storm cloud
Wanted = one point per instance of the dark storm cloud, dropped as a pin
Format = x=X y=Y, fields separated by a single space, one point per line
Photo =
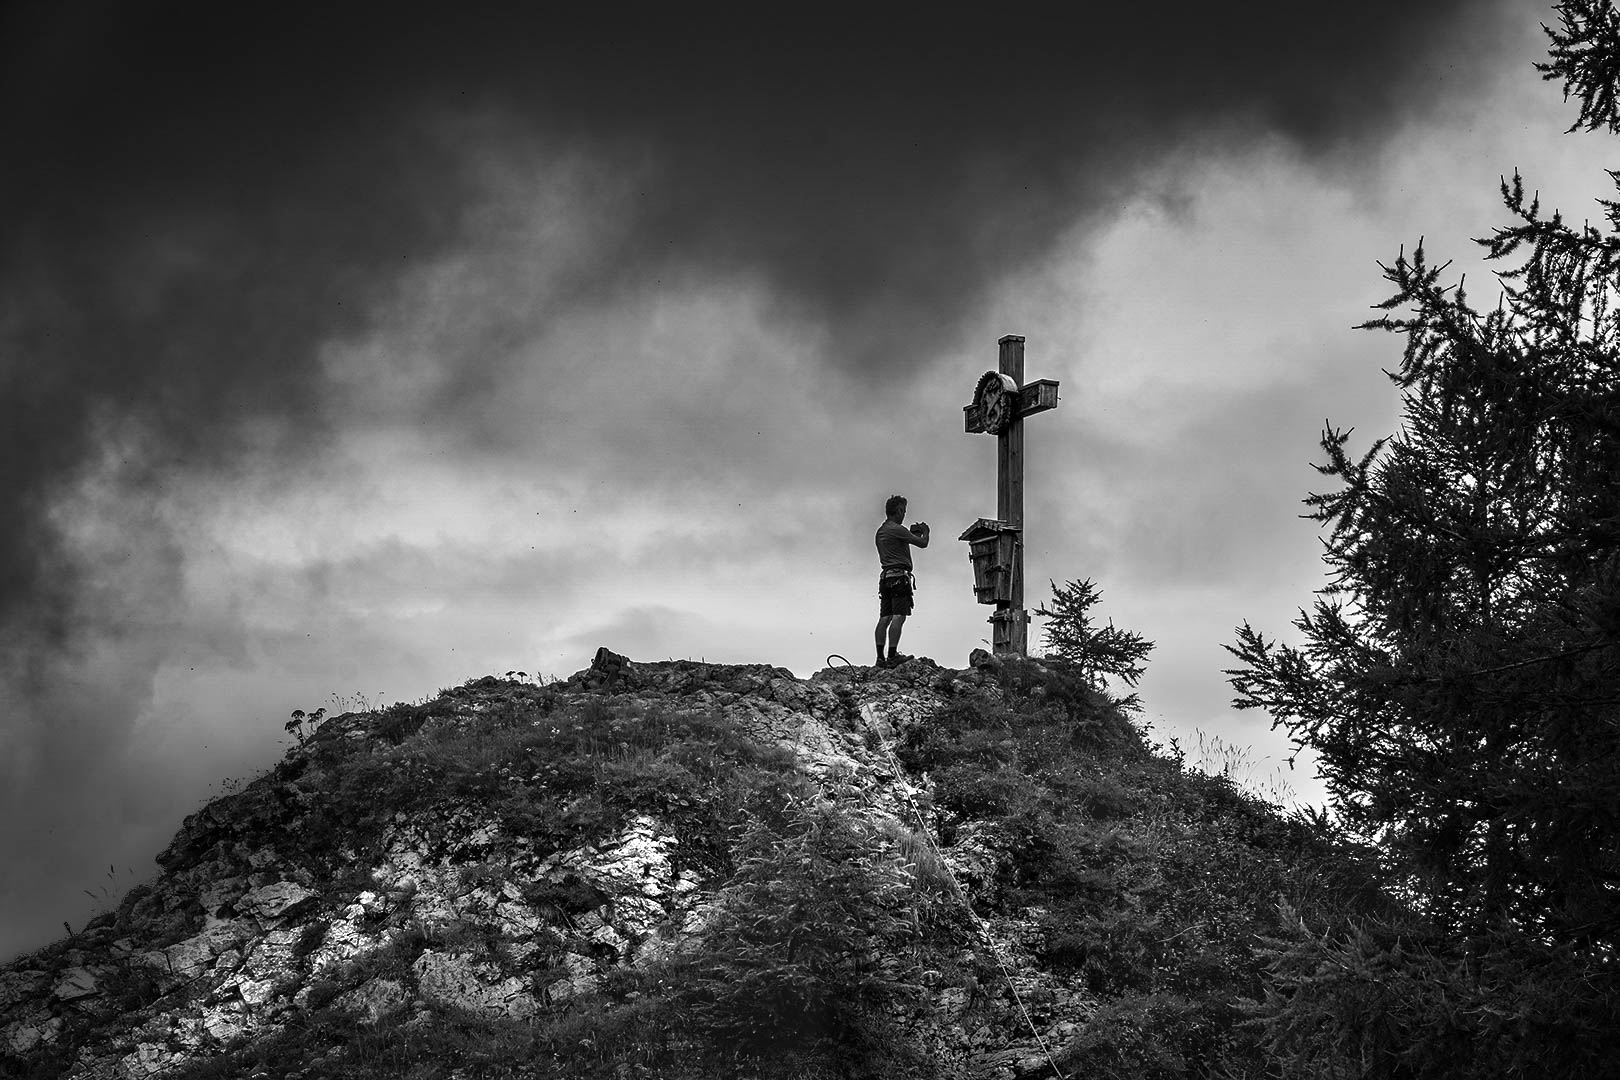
x=198 y=197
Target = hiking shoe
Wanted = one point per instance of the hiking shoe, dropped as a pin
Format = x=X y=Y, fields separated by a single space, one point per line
x=897 y=659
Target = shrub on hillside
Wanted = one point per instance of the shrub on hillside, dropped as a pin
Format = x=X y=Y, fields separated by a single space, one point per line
x=1150 y=883
x=816 y=934
x=819 y=935
x=1074 y=640
x=1384 y=999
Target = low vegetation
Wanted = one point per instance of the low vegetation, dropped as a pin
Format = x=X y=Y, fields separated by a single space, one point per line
x=1188 y=927
x=1153 y=887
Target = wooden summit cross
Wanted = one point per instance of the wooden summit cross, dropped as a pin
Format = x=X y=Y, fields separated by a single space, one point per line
x=1000 y=403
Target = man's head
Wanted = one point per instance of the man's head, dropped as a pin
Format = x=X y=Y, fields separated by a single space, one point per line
x=895 y=508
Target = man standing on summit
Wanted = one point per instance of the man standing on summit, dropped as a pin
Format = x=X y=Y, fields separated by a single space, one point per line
x=894 y=542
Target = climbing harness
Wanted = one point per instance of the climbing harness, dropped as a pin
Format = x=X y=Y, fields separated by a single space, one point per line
x=983 y=928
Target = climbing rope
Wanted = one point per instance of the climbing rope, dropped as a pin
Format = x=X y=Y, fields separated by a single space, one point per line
x=858 y=675
x=983 y=928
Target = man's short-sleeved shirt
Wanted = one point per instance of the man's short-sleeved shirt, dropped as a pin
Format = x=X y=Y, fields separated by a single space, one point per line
x=894 y=546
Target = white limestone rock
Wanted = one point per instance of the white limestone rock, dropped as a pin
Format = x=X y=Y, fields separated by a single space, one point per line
x=582 y=978
x=75 y=983
x=147 y=1059
x=611 y=938
x=343 y=941
x=637 y=916
x=270 y=959
x=276 y=902
x=221 y=892
x=196 y=955
x=255 y=993
x=373 y=1000
x=263 y=858
x=517 y=920
x=40 y=1029
x=226 y=1021
x=459 y=981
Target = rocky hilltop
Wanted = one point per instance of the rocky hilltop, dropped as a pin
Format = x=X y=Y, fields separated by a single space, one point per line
x=684 y=869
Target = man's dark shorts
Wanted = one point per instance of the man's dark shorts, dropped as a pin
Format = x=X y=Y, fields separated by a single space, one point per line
x=894 y=595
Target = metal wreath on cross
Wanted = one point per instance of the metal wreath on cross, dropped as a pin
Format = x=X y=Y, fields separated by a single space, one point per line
x=996 y=398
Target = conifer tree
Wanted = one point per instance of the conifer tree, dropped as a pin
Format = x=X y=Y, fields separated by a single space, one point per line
x=1073 y=638
x=1460 y=673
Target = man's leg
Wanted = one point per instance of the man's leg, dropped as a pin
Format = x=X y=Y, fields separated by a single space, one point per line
x=897 y=623
x=882 y=632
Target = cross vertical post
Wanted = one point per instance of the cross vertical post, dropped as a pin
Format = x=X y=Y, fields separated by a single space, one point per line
x=1010 y=503
x=999 y=406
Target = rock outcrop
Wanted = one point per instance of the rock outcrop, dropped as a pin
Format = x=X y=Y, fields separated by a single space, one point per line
x=267 y=909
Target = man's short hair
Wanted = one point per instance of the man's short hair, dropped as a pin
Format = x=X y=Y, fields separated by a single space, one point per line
x=895 y=503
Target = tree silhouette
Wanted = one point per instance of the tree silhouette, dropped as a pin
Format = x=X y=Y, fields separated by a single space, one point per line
x=1460 y=673
x=1073 y=638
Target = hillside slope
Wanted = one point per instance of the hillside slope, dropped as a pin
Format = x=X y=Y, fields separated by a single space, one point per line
x=682 y=869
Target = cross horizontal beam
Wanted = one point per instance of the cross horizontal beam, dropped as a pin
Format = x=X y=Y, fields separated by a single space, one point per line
x=1036 y=396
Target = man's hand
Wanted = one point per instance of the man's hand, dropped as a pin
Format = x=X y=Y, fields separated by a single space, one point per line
x=920 y=528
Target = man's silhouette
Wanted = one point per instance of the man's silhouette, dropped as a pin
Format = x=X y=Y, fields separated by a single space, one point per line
x=894 y=542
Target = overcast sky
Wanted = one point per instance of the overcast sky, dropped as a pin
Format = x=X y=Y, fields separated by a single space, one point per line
x=363 y=353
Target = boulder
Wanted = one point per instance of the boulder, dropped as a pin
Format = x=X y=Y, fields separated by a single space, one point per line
x=581 y=979
x=75 y=983
x=455 y=980
x=276 y=902
x=610 y=671
x=373 y=1000
x=25 y=1035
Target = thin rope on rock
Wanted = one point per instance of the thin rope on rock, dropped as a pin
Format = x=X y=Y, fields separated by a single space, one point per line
x=961 y=893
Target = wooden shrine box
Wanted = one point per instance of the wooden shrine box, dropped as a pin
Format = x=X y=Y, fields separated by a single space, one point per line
x=991 y=546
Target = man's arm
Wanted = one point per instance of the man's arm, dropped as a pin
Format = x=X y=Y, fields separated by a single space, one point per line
x=919 y=534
